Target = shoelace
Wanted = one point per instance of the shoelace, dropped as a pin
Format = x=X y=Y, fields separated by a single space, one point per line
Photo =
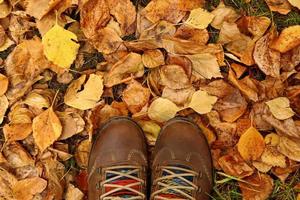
x=180 y=189
x=118 y=188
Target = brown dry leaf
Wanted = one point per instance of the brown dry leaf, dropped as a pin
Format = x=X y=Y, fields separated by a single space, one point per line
x=46 y=128
x=202 y=102
x=223 y=14
x=255 y=26
x=167 y=10
x=268 y=60
x=261 y=166
x=174 y=77
x=18 y=131
x=233 y=164
x=94 y=16
x=229 y=32
x=3 y=107
x=17 y=156
x=123 y=70
x=281 y=6
x=136 y=96
x=206 y=65
x=39 y=98
x=87 y=97
x=73 y=193
x=273 y=157
x=280 y=108
x=256 y=187
x=26 y=189
x=82 y=153
x=4 y=84
x=162 y=110
x=7 y=181
x=40 y=8
x=23 y=67
x=272 y=139
x=153 y=58
x=290 y=148
x=72 y=123
x=251 y=144
x=199 y=36
x=125 y=14
x=179 y=97
x=244 y=88
x=231 y=104
x=288 y=39
x=5 y=9
x=290 y=59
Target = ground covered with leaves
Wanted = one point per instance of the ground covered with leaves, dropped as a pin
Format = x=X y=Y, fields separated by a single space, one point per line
x=232 y=66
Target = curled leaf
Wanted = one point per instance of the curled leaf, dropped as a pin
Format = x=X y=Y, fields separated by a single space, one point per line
x=46 y=128
x=60 y=46
x=280 y=108
x=162 y=110
x=290 y=148
x=202 y=102
x=251 y=144
x=89 y=96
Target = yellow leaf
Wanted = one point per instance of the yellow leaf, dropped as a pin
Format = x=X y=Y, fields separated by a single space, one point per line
x=199 y=18
x=150 y=127
x=14 y=132
x=295 y=3
x=8 y=42
x=3 y=107
x=60 y=46
x=162 y=110
x=202 y=102
x=26 y=189
x=89 y=96
x=280 y=108
x=46 y=128
x=1 y=1
x=206 y=65
x=251 y=144
x=288 y=39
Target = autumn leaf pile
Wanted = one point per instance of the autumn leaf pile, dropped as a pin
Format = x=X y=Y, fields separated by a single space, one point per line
x=71 y=65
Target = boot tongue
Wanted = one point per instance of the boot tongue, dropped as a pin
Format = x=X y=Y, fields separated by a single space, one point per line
x=123 y=181
x=176 y=182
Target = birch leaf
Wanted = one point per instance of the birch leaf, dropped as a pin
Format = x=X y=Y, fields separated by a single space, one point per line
x=27 y=188
x=46 y=128
x=89 y=96
x=162 y=110
x=280 y=108
x=202 y=102
x=199 y=18
x=295 y=3
x=60 y=46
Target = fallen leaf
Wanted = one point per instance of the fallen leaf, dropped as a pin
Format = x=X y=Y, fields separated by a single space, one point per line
x=202 y=102
x=229 y=32
x=60 y=46
x=199 y=36
x=82 y=153
x=26 y=189
x=3 y=107
x=261 y=166
x=281 y=6
x=7 y=181
x=151 y=129
x=89 y=96
x=251 y=144
x=5 y=8
x=39 y=98
x=7 y=43
x=290 y=148
x=280 y=108
x=136 y=96
x=223 y=14
x=46 y=128
x=233 y=164
x=206 y=65
x=162 y=110
x=273 y=157
x=174 y=77
x=258 y=187
x=199 y=18
x=72 y=123
x=288 y=39
x=73 y=193
x=153 y=58
x=272 y=139
x=268 y=60
x=18 y=131
x=180 y=96
x=295 y=3
x=38 y=9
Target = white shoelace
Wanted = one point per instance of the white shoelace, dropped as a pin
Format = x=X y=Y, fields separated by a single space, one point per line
x=179 y=189
x=117 y=188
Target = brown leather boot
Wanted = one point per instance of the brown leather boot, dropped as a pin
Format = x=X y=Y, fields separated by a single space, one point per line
x=182 y=165
x=118 y=162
